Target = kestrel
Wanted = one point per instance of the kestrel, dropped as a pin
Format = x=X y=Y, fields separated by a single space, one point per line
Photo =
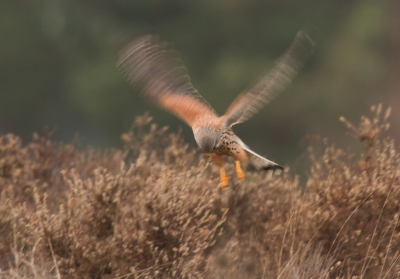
x=157 y=68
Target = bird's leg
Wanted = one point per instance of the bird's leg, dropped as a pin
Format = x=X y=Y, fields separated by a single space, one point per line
x=224 y=178
x=239 y=172
x=217 y=159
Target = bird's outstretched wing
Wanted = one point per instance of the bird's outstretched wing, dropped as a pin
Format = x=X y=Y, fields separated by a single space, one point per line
x=285 y=70
x=157 y=68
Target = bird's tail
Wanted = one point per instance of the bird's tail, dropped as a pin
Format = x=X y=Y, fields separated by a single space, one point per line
x=259 y=163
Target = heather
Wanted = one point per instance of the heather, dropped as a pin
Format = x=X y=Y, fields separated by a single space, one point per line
x=153 y=209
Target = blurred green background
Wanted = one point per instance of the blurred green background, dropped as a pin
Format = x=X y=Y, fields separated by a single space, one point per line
x=58 y=57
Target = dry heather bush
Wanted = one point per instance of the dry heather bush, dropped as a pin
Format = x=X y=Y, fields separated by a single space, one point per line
x=357 y=201
x=154 y=210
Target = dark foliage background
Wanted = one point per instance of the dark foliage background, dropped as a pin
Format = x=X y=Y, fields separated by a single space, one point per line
x=57 y=65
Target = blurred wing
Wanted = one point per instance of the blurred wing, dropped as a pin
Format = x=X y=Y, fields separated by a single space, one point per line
x=157 y=68
x=285 y=70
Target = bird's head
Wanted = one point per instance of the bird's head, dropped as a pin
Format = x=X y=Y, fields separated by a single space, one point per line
x=208 y=139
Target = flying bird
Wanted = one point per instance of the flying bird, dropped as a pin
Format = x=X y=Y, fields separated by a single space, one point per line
x=156 y=67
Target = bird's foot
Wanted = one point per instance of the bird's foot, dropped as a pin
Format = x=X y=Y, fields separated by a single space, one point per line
x=239 y=172
x=224 y=179
x=224 y=182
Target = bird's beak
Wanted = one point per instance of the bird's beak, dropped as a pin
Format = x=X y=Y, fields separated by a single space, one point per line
x=207 y=154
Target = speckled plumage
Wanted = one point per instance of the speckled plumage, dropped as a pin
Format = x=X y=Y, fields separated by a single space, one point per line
x=157 y=68
x=231 y=146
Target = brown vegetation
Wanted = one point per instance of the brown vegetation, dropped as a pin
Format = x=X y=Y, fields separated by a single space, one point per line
x=154 y=210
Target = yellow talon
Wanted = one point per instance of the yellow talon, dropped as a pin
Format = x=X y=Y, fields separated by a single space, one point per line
x=224 y=179
x=239 y=172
